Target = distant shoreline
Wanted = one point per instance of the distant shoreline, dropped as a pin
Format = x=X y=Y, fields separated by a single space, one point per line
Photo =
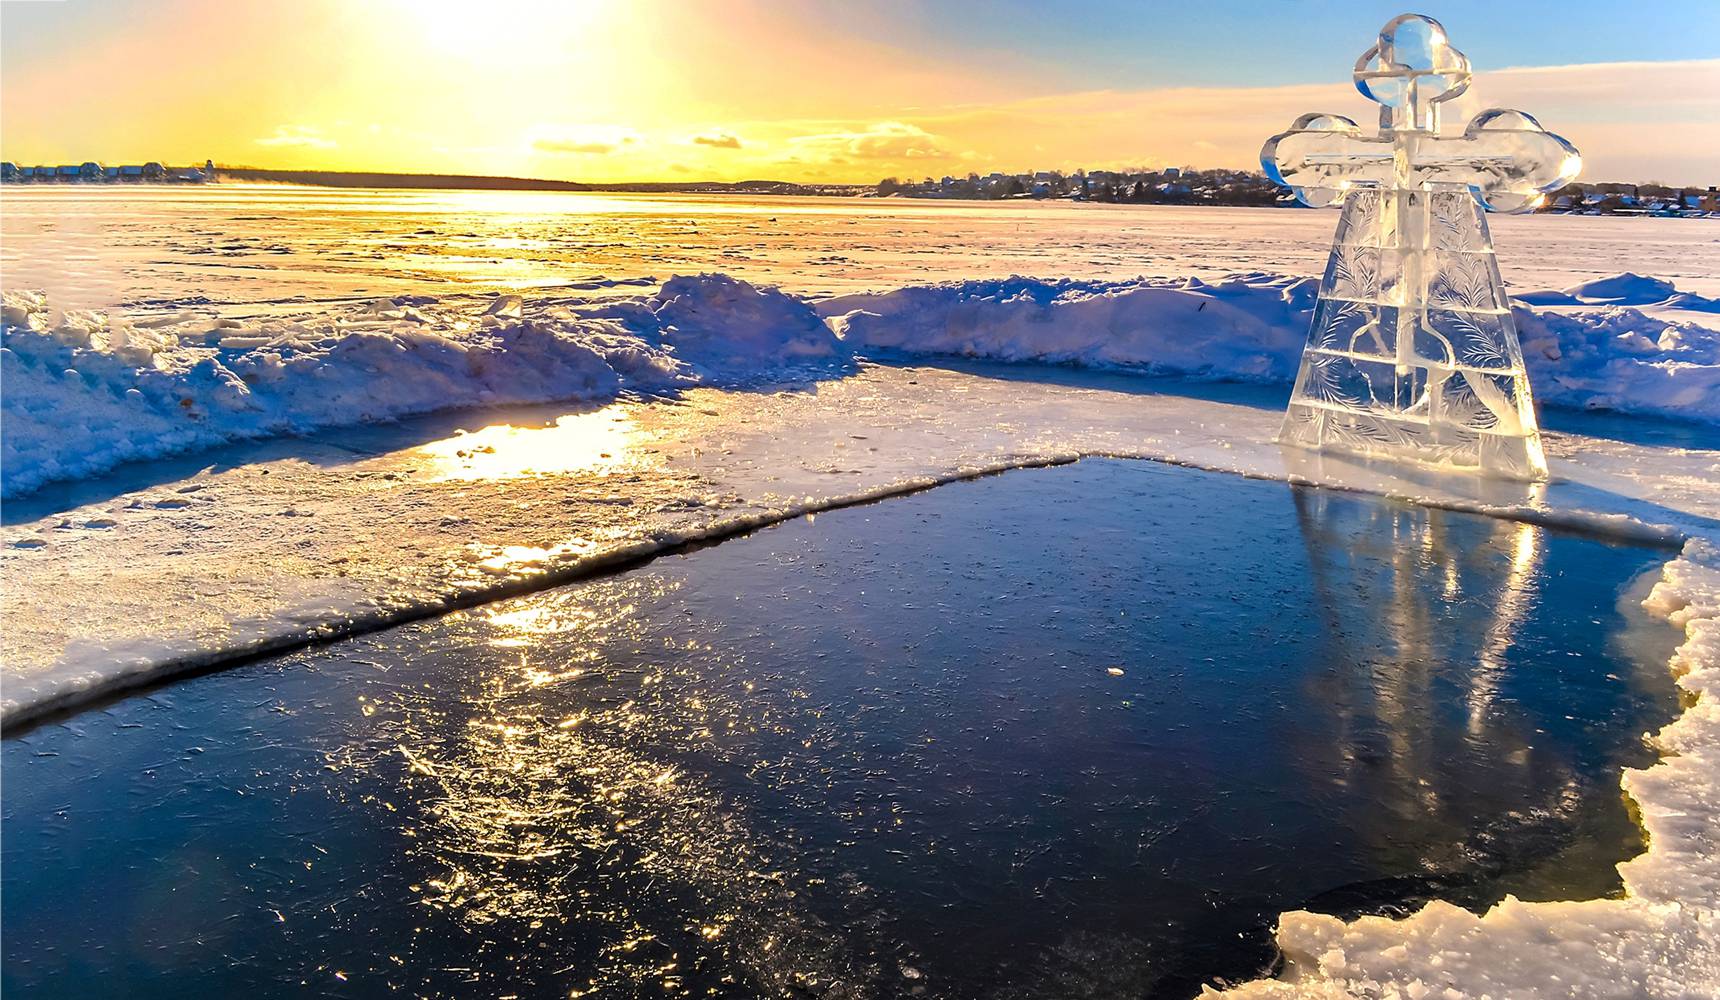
x=479 y=182
x=1578 y=199
x=1190 y=188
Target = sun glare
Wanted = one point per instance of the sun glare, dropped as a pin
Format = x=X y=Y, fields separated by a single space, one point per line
x=599 y=440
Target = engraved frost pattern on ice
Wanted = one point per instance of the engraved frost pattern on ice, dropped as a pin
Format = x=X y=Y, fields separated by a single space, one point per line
x=1413 y=354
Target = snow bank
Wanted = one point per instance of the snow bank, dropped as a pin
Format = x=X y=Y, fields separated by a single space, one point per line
x=84 y=391
x=1624 y=289
x=1662 y=940
x=1252 y=327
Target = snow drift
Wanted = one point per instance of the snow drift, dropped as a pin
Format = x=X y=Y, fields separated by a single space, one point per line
x=1624 y=289
x=85 y=391
x=1252 y=327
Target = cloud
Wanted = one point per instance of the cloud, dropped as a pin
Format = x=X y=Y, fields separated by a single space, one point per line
x=583 y=140
x=1631 y=120
x=721 y=140
x=880 y=141
x=567 y=146
x=297 y=137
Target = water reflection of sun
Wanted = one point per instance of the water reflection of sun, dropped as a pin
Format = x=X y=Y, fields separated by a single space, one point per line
x=549 y=806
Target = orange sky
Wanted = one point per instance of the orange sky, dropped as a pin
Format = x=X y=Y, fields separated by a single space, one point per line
x=660 y=90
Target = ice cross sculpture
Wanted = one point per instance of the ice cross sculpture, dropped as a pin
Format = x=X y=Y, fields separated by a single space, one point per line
x=1413 y=354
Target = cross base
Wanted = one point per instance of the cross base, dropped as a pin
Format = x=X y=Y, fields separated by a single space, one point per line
x=1413 y=354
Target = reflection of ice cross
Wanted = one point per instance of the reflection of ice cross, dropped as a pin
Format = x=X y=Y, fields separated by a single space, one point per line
x=1413 y=353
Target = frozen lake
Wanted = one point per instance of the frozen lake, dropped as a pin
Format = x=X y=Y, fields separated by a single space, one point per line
x=1001 y=738
x=417 y=786
x=93 y=246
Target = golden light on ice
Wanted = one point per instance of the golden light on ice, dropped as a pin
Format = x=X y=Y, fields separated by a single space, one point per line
x=580 y=442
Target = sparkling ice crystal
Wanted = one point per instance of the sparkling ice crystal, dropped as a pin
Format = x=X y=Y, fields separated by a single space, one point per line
x=1413 y=354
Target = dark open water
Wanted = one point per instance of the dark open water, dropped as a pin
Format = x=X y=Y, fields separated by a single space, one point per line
x=1074 y=732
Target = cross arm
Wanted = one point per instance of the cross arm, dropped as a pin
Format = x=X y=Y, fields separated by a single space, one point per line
x=1505 y=158
x=1322 y=156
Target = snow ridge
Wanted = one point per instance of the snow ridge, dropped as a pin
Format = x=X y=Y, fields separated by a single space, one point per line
x=1252 y=327
x=86 y=390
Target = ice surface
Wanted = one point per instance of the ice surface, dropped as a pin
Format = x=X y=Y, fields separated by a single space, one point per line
x=346 y=531
x=1412 y=353
x=237 y=244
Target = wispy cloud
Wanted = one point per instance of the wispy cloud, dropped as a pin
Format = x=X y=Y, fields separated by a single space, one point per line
x=297 y=137
x=583 y=140
x=719 y=140
x=879 y=141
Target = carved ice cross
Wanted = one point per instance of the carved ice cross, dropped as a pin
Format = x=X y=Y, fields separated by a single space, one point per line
x=1413 y=353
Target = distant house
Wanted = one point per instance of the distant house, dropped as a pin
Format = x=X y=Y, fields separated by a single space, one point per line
x=90 y=172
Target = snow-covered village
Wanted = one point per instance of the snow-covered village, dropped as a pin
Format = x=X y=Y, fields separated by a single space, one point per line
x=789 y=499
